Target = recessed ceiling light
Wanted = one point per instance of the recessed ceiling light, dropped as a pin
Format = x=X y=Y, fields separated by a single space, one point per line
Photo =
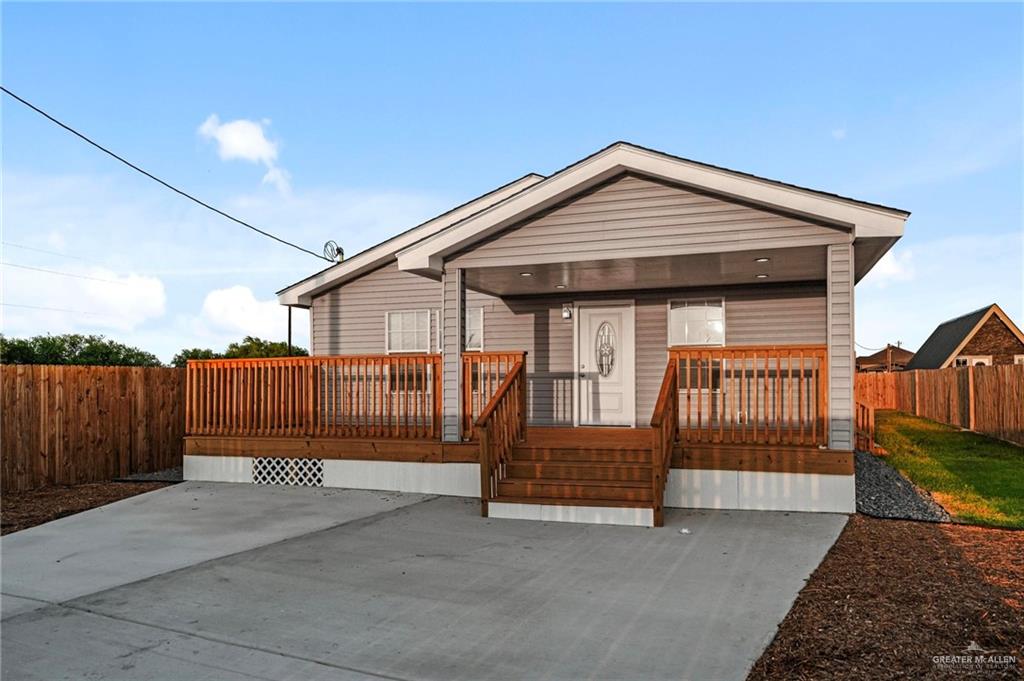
x=762 y=276
x=526 y=274
x=761 y=259
x=559 y=285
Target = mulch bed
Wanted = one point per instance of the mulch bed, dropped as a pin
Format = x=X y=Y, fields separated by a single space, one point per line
x=893 y=594
x=21 y=510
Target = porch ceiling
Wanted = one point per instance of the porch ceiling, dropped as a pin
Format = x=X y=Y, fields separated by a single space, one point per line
x=707 y=269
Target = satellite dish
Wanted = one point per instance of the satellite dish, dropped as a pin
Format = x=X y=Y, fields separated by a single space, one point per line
x=333 y=252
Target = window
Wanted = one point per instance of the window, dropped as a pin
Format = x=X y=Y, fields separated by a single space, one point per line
x=407 y=331
x=474 y=328
x=973 y=361
x=1018 y=359
x=696 y=322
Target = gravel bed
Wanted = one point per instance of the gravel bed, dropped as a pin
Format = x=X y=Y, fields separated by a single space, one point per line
x=166 y=475
x=884 y=493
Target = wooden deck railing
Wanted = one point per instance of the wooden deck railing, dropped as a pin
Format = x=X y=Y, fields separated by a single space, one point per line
x=665 y=432
x=482 y=373
x=753 y=394
x=864 y=427
x=391 y=396
x=501 y=424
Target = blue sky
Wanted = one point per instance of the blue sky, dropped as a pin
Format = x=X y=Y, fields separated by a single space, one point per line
x=358 y=121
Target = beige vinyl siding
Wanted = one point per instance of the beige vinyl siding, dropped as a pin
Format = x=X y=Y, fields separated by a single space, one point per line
x=453 y=309
x=635 y=217
x=757 y=315
x=350 y=319
x=840 y=346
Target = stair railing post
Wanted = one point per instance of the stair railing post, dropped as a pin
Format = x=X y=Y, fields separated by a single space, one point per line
x=483 y=435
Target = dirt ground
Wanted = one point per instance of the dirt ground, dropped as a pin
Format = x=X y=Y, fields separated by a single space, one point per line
x=21 y=510
x=892 y=596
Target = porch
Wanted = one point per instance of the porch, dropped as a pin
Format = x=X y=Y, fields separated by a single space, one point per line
x=753 y=409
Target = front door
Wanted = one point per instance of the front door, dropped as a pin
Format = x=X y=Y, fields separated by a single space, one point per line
x=605 y=371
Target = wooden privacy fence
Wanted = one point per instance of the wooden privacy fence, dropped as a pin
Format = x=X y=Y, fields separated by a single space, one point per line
x=65 y=425
x=753 y=394
x=343 y=396
x=987 y=399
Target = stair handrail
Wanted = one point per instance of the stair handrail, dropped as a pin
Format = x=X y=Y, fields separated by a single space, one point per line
x=501 y=425
x=665 y=432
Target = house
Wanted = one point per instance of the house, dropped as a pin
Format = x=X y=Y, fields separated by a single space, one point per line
x=634 y=331
x=984 y=337
x=889 y=358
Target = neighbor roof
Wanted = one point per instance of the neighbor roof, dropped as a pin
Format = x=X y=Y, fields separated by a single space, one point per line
x=950 y=336
x=893 y=353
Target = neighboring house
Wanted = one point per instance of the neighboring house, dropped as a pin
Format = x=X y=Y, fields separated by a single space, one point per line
x=889 y=358
x=634 y=331
x=984 y=337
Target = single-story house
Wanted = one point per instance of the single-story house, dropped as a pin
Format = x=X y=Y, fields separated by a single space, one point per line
x=890 y=358
x=984 y=337
x=634 y=331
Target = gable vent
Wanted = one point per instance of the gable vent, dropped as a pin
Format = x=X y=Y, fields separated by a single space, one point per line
x=268 y=470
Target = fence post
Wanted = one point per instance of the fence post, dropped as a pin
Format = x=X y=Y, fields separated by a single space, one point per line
x=970 y=397
x=917 y=396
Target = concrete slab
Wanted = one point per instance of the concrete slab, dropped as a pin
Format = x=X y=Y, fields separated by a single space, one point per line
x=433 y=591
x=165 y=530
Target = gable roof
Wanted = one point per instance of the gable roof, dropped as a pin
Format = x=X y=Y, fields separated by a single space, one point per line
x=862 y=218
x=950 y=336
x=890 y=353
x=300 y=293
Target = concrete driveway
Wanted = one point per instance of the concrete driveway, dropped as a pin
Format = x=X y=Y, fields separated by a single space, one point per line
x=217 y=581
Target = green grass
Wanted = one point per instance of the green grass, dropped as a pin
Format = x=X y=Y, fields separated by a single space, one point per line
x=977 y=479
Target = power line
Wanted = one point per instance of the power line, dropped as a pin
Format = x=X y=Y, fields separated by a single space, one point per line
x=63 y=274
x=157 y=179
x=58 y=309
x=41 y=250
x=864 y=347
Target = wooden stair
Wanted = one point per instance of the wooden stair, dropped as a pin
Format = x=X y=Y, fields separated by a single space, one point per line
x=603 y=467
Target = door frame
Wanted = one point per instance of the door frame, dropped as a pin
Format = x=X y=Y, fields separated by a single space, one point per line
x=576 y=305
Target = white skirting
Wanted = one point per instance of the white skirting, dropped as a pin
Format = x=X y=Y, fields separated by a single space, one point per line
x=688 y=488
x=597 y=515
x=453 y=479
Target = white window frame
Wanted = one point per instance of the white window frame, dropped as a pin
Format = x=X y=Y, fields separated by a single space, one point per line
x=702 y=301
x=972 y=360
x=1018 y=359
x=387 y=332
x=466 y=330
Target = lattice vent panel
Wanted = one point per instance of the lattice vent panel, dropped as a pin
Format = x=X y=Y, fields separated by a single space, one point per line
x=268 y=470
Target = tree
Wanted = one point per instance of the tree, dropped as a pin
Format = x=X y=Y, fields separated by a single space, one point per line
x=185 y=355
x=73 y=348
x=256 y=347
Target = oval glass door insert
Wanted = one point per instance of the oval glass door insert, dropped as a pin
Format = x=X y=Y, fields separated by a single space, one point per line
x=604 y=349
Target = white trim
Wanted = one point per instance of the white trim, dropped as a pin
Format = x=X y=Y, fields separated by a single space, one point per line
x=668 y=321
x=301 y=293
x=594 y=515
x=452 y=479
x=576 y=305
x=427 y=256
x=217 y=468
x=387 y=330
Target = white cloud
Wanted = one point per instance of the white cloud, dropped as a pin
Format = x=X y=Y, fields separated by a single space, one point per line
x=236 y=312
x=246 y=140
x=101 y=300
x=839 y=134
x=895 y=266
x=240 y=139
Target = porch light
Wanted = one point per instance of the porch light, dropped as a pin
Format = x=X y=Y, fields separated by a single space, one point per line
x=762 y=276
x=567 y=312
x=762 y=259
x=526 y=274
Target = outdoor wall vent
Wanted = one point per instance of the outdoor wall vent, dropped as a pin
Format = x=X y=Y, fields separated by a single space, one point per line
x=271 y=470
